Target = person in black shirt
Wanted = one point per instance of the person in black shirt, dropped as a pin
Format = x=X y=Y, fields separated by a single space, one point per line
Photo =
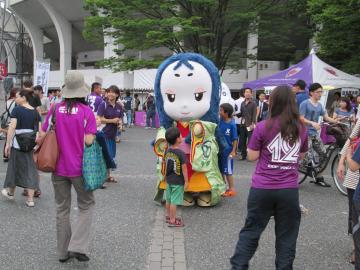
x=176 y=176
x=21 y=171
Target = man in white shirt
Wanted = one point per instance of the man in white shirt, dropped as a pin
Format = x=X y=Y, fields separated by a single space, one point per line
x=237 y=110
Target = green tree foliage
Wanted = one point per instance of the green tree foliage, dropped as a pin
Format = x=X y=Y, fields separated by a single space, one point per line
x=284 y=32
x=214 y=28
x=338 y=35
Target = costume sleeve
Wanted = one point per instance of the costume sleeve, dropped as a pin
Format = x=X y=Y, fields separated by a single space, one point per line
x=101 y=109
x=90 y=127
x=256 y=139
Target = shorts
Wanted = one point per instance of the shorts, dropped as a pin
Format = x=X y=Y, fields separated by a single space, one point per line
x=174 y=194
x=226 y=165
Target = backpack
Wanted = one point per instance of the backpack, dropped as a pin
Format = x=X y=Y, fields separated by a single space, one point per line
x=5 y=116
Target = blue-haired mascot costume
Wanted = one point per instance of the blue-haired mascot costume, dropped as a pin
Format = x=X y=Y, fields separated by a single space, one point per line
x=187 y=93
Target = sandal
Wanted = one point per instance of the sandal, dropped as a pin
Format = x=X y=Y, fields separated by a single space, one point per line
x=178 y=223
x=111 y=179
x=167 y=219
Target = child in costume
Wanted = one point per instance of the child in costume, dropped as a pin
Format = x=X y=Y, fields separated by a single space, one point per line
x=176 y=176
x=187 y=92
x=226 y=160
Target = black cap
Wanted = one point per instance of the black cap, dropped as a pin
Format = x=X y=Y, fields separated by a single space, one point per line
x=301 y=84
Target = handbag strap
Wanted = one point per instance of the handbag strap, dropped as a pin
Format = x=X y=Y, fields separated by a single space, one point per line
x=53 y=116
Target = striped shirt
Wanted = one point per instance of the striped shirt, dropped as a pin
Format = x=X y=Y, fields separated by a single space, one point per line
x=351 y=178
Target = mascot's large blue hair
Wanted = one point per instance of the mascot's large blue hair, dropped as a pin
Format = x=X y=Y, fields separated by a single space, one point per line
x=213 y=114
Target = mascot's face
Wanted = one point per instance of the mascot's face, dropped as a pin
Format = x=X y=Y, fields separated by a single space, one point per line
x=186 y=92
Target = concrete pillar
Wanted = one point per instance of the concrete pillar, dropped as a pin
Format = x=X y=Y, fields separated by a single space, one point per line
x=36 y=36
x=64 y=31
x=109 y=47
x=10 y=48
x=251 y=65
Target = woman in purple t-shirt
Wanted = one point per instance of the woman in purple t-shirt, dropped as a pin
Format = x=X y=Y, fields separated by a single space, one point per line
x=110 y=114
x=278 y=144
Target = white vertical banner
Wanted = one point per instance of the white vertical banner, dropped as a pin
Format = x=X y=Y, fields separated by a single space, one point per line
x=42 y=75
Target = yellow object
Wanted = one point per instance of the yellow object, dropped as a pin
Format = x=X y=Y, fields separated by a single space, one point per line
x=197 y=183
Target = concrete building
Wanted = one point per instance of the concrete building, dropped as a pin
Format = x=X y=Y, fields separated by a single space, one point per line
x=55 y=28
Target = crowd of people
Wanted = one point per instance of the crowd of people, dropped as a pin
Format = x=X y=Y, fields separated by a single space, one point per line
x=276 y=133
x=79 y=116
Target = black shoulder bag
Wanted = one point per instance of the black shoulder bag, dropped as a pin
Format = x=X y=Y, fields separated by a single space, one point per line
x=27 y=141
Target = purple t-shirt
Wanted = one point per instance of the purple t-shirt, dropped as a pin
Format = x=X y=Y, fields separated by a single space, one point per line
x=70 y=132
x=109 y=112
x=94 y=101
x=278 y=162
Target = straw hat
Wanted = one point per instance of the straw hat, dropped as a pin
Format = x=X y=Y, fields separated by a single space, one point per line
x=75 y=86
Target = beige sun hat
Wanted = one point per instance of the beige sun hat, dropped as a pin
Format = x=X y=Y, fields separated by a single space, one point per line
x=75 y=86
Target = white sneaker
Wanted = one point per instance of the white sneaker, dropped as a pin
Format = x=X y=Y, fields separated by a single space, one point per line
x=147 y=127
x=30 y=203
x=6 y=194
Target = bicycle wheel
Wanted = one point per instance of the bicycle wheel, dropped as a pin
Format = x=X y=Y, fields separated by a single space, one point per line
x=337 y=181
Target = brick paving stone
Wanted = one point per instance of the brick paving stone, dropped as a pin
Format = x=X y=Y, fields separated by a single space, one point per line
x=155 y=248
x=158 y=235
x=179 y=257
x=155 y=257
x=178 y=241
x=180 y=266
x=167 y=268
x=155 y=266
x=168 y=238
x=168 y=245
x=167 y=254
x=167 y=262
x=179 y=249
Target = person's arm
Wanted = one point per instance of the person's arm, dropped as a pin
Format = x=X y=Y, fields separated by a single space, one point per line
x=252 y=155
x=255 y=144
x=185 y=174
x=329 y=119
x=10 y=136
x=109 y=121
x=234 y=148
x=90 y=128
x=352 y=164
x=89 y=139
x=101 y=115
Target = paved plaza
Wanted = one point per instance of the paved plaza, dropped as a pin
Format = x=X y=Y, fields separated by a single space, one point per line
x=129 y=232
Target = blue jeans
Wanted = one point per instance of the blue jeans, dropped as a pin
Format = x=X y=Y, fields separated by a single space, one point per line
x=129 y=117
x=150 y=114
x=283 y=204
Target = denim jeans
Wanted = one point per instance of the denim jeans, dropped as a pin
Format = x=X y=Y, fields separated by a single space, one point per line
x=150 y=114
x=283 y=204
x=129 y=117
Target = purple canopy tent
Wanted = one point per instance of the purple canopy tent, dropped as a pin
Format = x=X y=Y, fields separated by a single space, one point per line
x=311 y=69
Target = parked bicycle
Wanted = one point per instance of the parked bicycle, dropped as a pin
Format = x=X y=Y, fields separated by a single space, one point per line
x=312 y=166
